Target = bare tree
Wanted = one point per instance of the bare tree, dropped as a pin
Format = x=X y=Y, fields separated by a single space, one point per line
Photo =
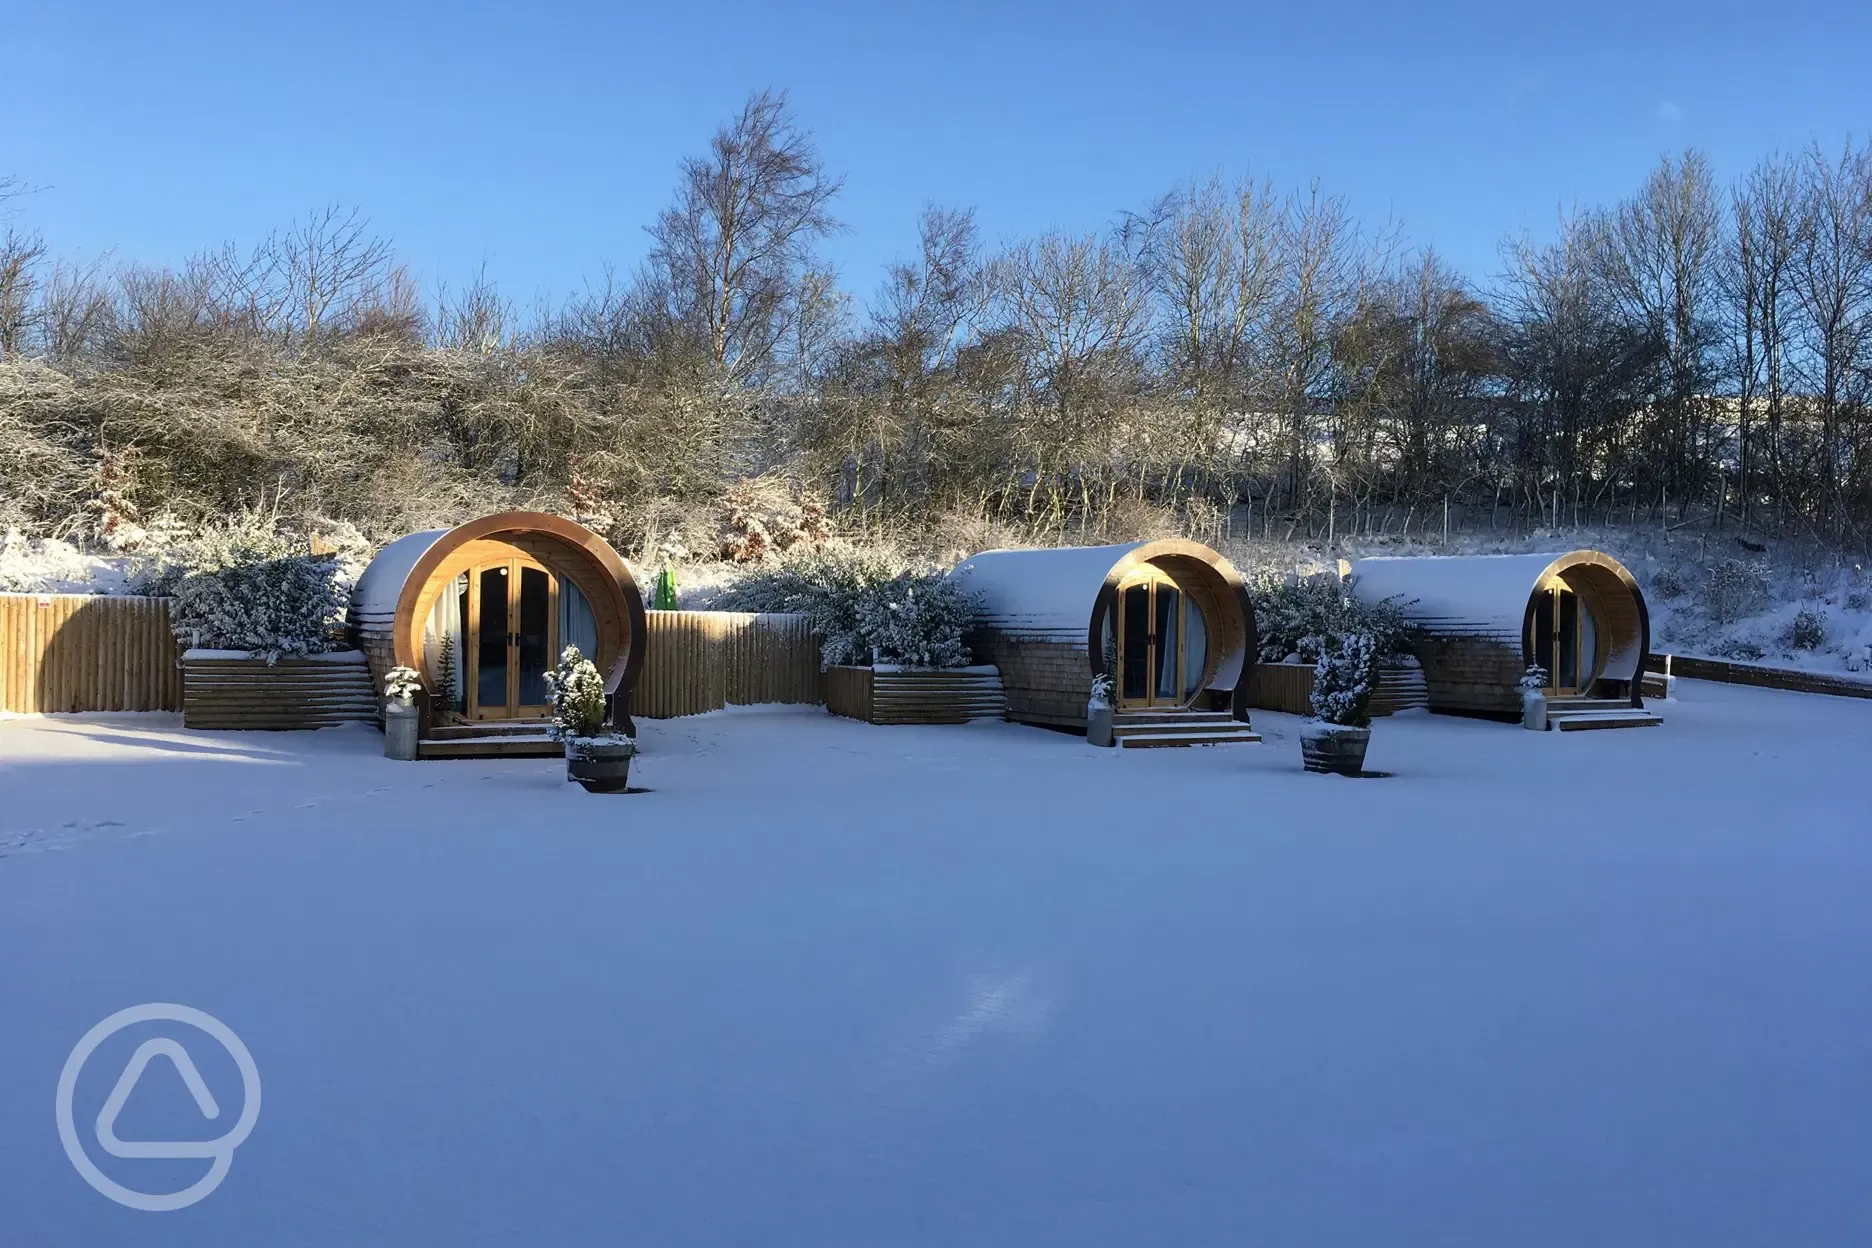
x=730 y=253
x=1833 y=288
x=1660 y=258
x=1762 y=245
x=1318 y=287
x=76 y=316
x=1214 y=266
x=480 y=320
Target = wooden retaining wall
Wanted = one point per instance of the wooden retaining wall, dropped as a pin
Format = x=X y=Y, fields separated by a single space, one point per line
x=86 y=652
x=221 y=691
x=895 y=695
x=1288 y=687
x=1762 y=677
x=696 y=661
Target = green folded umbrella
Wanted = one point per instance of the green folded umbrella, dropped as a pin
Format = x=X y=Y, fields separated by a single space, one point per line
x=665 y=596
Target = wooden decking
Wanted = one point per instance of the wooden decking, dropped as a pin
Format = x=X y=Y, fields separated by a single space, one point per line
x=1158 y=729
x=517 y=738
x=1570 y=714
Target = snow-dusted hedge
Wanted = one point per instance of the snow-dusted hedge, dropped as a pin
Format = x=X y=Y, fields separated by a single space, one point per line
x=1310 y=618
x=272 y=608
x=862 y=601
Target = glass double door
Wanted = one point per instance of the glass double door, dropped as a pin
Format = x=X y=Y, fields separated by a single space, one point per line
x=512 y=619
x=1160 y=644
x=1559 y=642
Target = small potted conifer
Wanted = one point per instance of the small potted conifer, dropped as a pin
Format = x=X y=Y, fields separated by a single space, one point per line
x=1335 y=739
x=596 y=757
x=402 y=718
x=1099 y=711
x=1534 y=698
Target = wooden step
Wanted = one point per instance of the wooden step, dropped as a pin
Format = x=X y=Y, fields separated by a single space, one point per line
x=1581 y=721
x=490 y=728
x=1155 y=740
x=535 y=745
x=1570 y=704
x=1144 y=718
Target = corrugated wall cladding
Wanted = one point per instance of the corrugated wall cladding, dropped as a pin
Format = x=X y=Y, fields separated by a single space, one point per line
x=696 y=661
x=82 y=652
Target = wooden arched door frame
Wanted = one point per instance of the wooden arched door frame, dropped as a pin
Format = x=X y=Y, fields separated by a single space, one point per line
x=1145 y=586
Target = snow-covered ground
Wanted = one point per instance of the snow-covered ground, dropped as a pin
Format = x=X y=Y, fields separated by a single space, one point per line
x=826 y=983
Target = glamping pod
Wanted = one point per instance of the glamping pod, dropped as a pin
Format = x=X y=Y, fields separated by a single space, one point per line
x=1482 y=620
x=483 y=610
x=1169 y=621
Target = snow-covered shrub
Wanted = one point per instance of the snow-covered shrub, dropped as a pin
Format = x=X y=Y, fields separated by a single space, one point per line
x=402 y=683
x=860 y=600
x=269 y=607
x=1102 y=690
x=823 y=585
x=40 y=566
x=245 y=537
x=1343 y=681
x=1668 y=583
x=916 y=619
x=1859 y=600
x=575 y=693
x=764 y=518
x=1807 y=632
x=1739 y=650
x=1310 y=617
x=1534 y=678
x=1736 y=589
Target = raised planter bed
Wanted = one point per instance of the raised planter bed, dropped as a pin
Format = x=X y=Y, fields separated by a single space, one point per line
x=233 y=689
x=915 y=695
x=1287 y=687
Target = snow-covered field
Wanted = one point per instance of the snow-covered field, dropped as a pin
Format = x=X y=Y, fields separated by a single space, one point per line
x=832 y=984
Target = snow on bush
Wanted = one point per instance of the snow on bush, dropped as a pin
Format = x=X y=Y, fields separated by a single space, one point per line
x=1668 y=583
x=1736 y=589
x=1535 y=678
x=268 y=607
x=1307 y=618
x=1343 y=681
x=44 y=566
x=916 y=619
x=575 y=693
x=1808 y=631
x=857 y=601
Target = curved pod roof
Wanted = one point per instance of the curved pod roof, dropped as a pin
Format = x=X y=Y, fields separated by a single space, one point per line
x=1492 y=596
x=1063 y=595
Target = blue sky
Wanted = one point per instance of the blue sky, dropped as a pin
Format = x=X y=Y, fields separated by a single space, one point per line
x=540 y=139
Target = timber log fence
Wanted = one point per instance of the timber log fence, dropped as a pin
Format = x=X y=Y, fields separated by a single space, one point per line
x=93 y=652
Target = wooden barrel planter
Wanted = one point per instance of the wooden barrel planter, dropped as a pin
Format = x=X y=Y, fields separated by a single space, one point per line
x=232 y=689
x=915 y=695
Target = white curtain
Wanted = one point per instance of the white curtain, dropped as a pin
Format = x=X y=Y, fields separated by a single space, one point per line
x=577 y=626
x=445 y=620
x=1195 y=647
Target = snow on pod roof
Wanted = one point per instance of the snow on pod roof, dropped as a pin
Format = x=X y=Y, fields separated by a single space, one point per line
x=1044 y=595
x=1479 y=594
x=374 y=597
